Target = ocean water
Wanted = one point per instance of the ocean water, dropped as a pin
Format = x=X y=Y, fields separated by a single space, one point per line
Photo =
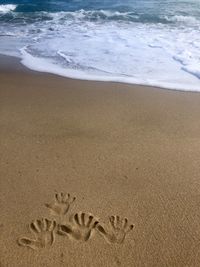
x=151 y=42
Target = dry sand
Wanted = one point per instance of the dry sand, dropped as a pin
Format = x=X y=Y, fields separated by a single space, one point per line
x=122 y=150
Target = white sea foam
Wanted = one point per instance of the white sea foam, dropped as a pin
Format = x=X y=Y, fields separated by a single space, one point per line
x=7 y=8
x=75 y=47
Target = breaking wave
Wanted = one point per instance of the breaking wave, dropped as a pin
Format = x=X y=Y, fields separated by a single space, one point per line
x=7 y=8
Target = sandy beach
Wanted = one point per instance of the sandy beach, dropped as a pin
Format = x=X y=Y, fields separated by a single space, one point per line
x=125 y=150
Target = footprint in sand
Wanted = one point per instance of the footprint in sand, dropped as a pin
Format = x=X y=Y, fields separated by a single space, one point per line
x=118 y=229
x=61 y=204
x=44 y=233
x=80 y=228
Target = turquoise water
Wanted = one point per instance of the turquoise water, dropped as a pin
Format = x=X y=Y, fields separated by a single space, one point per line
x=147 y=11
x=153 y=42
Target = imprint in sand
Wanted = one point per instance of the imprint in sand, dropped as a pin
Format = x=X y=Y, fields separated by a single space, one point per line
x=44 y=233
x=80 y=228
x=61 y=204
x=118 y=229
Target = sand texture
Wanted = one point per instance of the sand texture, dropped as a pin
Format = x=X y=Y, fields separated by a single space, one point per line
x=97 y=174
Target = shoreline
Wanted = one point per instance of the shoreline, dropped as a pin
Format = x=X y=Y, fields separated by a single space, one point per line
x=125 y=150
x=8 y=63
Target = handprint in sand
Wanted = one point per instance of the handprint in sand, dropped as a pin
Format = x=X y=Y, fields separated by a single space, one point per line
x=80 y=228
x=118 y=229
x=61 y=204
x=44 y=234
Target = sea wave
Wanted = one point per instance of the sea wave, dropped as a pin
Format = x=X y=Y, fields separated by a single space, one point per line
x=107 y=45
x=117 y=52
x=7 y=8
x=188 y=20
x=100 y=16
x=110 y=15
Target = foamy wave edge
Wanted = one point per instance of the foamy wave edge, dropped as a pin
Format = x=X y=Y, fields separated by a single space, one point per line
x=43 y=65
